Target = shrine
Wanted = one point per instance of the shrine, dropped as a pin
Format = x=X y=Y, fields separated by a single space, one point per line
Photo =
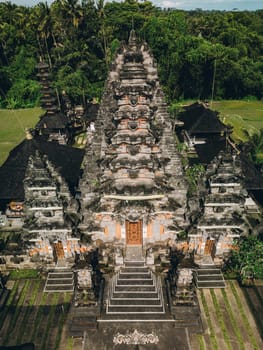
x=133 y=191
x=119 y=223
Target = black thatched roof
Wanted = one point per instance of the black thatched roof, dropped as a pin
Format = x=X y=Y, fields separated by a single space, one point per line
x=198 y=119
x=57 y=121
x=66 y=159
x=92 y=111
x=252 y=176
x=206 y=152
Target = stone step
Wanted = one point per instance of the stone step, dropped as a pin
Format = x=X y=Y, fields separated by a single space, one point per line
x=134 y=301
x=214 y=271
x=186 y=312
x=135 y=282
x=204 y=278
x=211 y=284
x=132 y=309
x=135 y=295
x=60 y=270
x=65 y=276
x=186 y=323
x=78 y=325
x=134 y=288
x=131 y=263
x=209 y=276
x=59 y=288
x=137 y=269
x=153 y=317
x=135 y=276
x=59 y=281
x=207 y=266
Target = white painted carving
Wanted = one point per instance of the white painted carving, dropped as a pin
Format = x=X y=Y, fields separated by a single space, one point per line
x=135 y=338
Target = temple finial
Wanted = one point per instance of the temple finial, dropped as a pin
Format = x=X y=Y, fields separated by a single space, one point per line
x=132 y=38
x=28 y=134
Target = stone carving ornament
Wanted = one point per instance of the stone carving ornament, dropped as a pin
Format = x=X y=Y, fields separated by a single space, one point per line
x=135 y=338
x=134 y=100
x=133 y=149
x=133 y=125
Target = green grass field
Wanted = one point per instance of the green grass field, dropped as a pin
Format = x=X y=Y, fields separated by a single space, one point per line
x=12 y=127
x=242 y=115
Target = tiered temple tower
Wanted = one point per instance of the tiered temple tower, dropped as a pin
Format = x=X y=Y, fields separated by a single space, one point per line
x=223 y=219
x=46 y=197
x=53 y=125
x=133 y=190
x=48 y=101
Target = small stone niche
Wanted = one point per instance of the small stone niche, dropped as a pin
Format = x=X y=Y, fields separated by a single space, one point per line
x=184 y=294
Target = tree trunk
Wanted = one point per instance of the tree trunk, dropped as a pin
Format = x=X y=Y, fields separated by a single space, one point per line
x=47 y=50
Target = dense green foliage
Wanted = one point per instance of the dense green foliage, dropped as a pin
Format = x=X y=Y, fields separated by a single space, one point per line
x=247 y=259
x=200 y=54
x=255 y=147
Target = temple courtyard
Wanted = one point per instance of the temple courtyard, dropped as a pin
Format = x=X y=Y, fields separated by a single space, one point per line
x=231 y=319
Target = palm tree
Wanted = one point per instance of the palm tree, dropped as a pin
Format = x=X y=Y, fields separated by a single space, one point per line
x=12 y=27
x=72 y=10
x=41 y=16
x=101 y=13
x=8 y=12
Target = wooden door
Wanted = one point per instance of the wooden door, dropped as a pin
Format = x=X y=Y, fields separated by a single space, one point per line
x=209 y=247
x=134 y=233
x=58 y=250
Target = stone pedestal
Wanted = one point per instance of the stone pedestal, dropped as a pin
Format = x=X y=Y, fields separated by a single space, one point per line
x=150 y=257
x=184 y=287
x=118 y=257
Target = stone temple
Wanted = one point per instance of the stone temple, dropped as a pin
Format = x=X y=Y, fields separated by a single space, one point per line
x=133 y=191
x=119 y=221
x=127 y=191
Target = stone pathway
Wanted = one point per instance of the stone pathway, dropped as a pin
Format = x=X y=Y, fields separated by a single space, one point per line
x=137 y=336
x=134 y=253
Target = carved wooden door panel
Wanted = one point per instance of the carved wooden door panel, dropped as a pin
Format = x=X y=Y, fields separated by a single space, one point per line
x=209 y=247
x=134 y=233
x=59 y=251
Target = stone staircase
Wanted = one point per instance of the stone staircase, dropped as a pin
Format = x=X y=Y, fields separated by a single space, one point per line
x=60 y=280
x=188 y=317
x=209 y=276
x=135 y=295
x=80 y=320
